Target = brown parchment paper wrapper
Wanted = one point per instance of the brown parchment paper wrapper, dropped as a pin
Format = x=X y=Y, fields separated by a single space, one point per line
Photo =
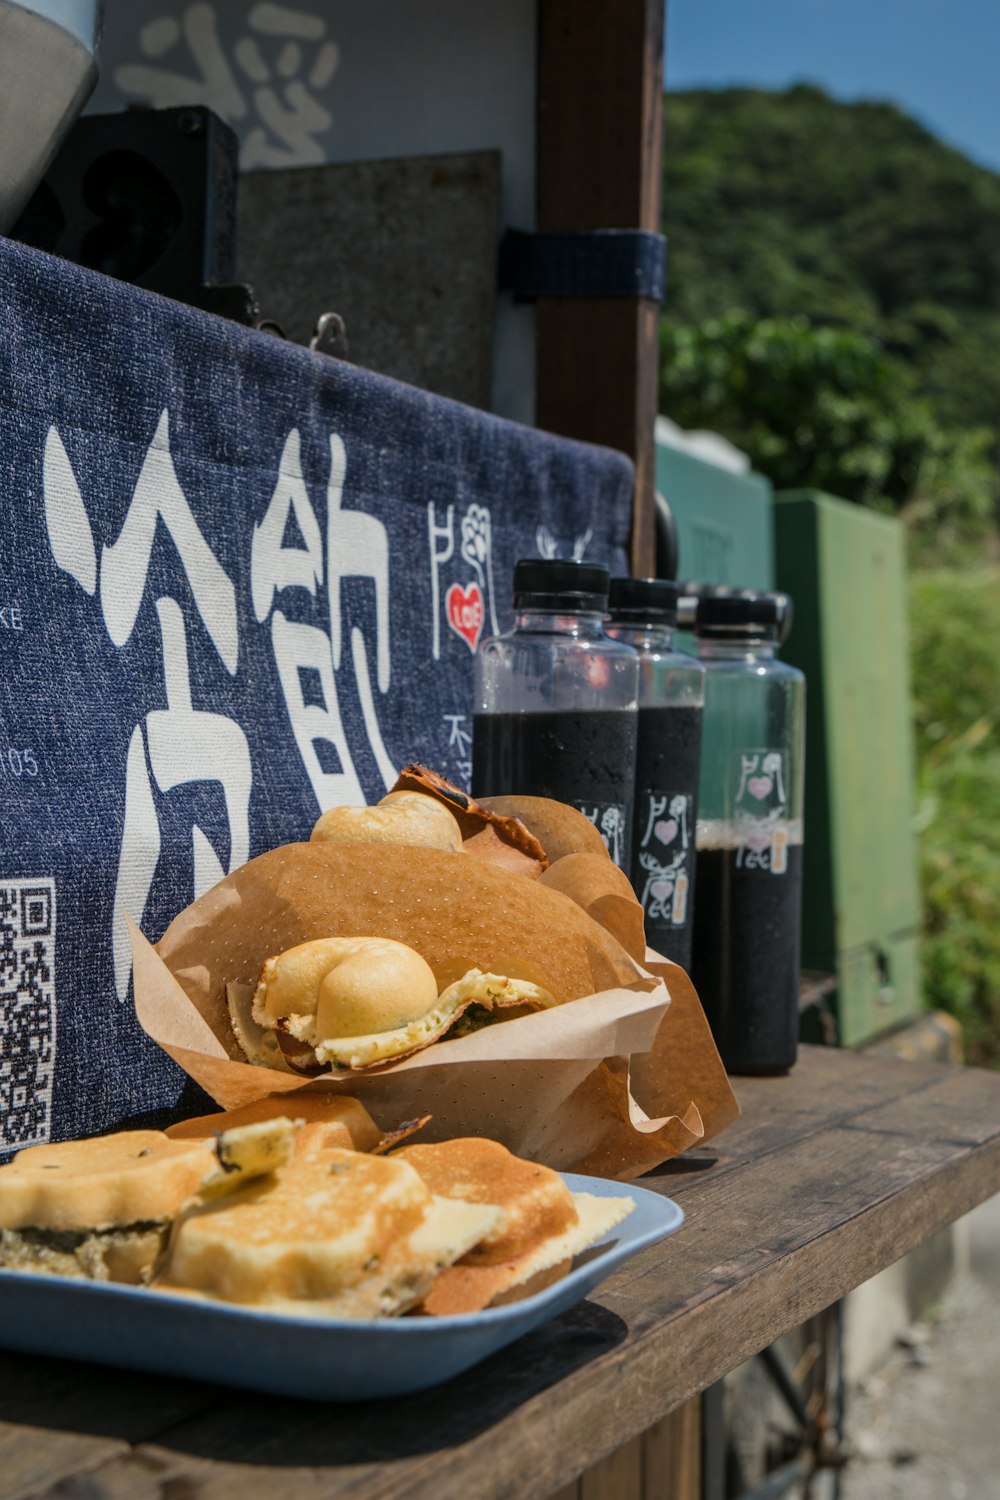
x=611 y=1084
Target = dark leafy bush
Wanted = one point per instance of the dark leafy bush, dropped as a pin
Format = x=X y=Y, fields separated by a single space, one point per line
x=955 y=632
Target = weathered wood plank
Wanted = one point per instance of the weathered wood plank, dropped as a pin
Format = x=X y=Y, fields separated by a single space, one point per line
x=100 y=1415
x=885 y=1160
x=822 y=1090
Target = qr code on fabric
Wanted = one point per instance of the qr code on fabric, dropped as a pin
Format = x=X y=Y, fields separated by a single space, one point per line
x=27 y=1011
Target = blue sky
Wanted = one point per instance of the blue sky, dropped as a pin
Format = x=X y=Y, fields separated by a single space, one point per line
x=938 y=59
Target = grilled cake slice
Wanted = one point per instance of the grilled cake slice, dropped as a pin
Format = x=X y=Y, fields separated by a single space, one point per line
x=350 y=1123
x=334 y=1233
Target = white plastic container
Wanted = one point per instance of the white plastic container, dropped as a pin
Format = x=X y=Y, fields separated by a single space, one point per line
x=48 y=69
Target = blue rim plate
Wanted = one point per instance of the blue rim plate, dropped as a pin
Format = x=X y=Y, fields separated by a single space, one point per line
x=323 y=1359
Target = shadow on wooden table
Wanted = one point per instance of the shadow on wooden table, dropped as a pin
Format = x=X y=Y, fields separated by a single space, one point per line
x=218 y=1422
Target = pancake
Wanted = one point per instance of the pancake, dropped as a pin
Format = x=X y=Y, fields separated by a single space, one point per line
x=536 y=1203
x=543 y=1225
x=103 y=1182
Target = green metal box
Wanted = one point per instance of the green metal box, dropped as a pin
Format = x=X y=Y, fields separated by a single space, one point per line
x=845 y=569
x=723 y=520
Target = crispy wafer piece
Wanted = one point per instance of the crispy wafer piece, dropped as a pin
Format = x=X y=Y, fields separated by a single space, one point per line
x=561 y=829
x=543 y=1225
x=488 y=835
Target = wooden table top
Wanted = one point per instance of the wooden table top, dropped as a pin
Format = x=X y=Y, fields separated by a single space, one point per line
x=830 y=1175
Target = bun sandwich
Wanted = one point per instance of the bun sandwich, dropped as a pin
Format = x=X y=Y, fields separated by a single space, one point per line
x=425 y=916
x=510 y=944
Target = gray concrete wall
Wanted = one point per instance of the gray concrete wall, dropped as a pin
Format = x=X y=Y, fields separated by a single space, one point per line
x=351 y=80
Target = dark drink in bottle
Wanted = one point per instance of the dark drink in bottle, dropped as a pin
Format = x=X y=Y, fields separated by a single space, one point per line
x=556 y=701
x=745 y=961
x=582 y=758
x=746 y=936
x=671 y=694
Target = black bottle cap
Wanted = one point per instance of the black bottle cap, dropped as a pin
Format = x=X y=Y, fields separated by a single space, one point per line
x=691 y=590
x=552 y=583
x=745 y=616
x=638 y=601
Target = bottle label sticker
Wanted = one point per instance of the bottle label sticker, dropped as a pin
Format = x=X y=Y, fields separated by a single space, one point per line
x=609 y=820
x=760 y=811
x=665 y=831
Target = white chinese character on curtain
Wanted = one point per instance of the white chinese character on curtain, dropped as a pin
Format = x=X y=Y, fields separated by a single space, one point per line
x=310 y=660
x=179 y=744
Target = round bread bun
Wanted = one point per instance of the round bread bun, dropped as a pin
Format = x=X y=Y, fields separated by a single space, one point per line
x=457 y=914
x=349 y=986
x=400 y=818
x=559 y=828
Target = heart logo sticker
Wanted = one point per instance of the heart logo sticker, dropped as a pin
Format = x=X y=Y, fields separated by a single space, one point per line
x=661 y=889
x=759 y=786
x=465 y=612
x=666 y=830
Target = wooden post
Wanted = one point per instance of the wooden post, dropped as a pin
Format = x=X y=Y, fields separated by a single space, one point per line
x=662 y=1463
x=600 y=110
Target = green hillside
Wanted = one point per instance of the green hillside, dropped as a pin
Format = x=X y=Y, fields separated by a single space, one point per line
x=851 y=215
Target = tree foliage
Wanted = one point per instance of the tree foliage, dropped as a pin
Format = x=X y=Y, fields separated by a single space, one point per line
x=829 y=408
x=834 y=303
x=788 y=205
x=812 y=406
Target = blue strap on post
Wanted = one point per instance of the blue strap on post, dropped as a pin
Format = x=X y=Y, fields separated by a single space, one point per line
x=583 y=263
